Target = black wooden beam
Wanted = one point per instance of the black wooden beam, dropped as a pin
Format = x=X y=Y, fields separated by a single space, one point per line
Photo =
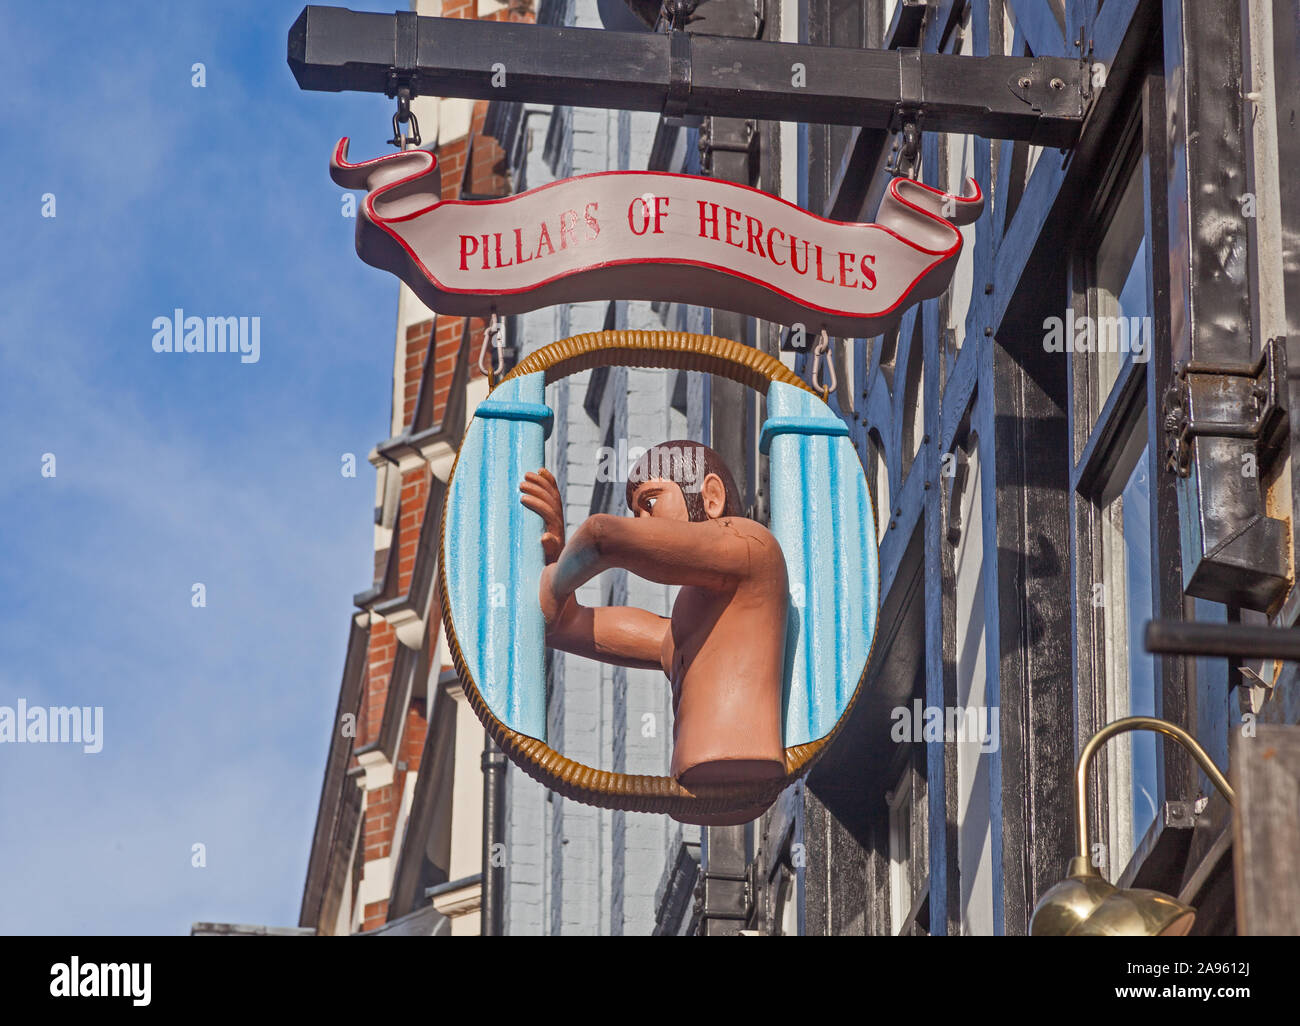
x=1227 y=640
x=1042 y=100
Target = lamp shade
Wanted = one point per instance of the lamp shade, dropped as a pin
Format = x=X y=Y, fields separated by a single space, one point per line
x=1085 y=905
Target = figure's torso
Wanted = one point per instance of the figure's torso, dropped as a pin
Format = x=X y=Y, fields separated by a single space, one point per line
x=724 y=654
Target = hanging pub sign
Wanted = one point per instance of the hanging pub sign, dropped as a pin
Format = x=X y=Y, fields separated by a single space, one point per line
x=655 y=236
x=771 y=632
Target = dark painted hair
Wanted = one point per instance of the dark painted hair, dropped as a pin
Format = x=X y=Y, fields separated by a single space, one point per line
x=687 y=464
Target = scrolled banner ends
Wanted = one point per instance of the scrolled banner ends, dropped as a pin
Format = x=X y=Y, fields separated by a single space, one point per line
x=655 y=236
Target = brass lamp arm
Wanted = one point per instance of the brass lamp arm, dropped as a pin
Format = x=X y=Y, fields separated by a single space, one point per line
x=1123 y=726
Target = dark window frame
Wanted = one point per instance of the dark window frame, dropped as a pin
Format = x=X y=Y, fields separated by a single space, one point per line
x=1100 y=429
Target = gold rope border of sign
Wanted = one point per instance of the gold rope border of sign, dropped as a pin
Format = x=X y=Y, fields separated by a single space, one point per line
x=673 y=350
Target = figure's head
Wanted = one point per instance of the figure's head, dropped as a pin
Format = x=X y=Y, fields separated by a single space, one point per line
x=682 y=480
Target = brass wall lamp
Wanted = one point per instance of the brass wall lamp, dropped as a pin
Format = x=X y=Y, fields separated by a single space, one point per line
x=1084 y=904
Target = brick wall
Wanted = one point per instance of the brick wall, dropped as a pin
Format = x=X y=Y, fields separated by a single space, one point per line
x=450 y=335
x=382 y=652
x=417 y=346
x=383 y=806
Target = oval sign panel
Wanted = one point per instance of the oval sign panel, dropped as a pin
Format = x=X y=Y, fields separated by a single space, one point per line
x=772 y=631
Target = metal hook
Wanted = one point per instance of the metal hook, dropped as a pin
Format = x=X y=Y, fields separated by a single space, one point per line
x=676 y=12
x=906 y=159
x=911 y=152
x=403 y=115
x=495 y=332
x=819 y=354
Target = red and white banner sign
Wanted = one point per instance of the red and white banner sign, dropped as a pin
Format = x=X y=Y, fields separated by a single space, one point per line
x=655 y=236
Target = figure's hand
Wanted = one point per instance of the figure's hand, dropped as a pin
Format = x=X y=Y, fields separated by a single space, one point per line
x=541 y=494
x=553 y=605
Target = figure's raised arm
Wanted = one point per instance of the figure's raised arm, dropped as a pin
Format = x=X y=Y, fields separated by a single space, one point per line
x=709 y=554
x=623 y=635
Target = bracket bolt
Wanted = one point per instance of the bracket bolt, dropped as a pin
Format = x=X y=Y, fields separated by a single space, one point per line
x=1057 y=84
x=1024 y=82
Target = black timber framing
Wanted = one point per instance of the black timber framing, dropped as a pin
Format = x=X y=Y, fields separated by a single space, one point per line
x=1039 y=728
x=1031 y=450
x=1050 y=211
x=1042 y=100
x=956 y=398
x=773 y=870
x=839 y=867
x=845 y=814
x=940 y=660
x=778 y=866
x=1015 y=263
x=677 y=912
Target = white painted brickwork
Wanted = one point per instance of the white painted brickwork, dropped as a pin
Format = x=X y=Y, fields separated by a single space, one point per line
x=573 y=869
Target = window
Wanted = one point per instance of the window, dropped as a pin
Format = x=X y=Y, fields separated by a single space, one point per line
x=1119 y=303
x=1129 y=672
x=1113 y=482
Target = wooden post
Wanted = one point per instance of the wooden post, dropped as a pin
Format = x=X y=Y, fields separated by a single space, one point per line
x=1266 y=776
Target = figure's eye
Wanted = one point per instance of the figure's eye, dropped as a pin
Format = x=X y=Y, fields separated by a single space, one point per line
x=649 y=502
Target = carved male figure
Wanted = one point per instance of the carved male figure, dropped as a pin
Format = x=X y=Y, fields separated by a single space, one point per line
x=723 y=647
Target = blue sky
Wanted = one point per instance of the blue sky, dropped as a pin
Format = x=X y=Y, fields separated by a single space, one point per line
x=177 y=469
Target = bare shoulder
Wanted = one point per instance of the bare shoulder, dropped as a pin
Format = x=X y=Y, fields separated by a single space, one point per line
x=744 y=526
x=758 y=540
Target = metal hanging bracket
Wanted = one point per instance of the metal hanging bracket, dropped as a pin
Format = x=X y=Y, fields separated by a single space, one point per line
x=1225 y=401
x=676 y=13
x=679 y=73
x=905 y=158
x=1223 y=425
x=404 y=115
x=402 y=83
x=724 y=136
